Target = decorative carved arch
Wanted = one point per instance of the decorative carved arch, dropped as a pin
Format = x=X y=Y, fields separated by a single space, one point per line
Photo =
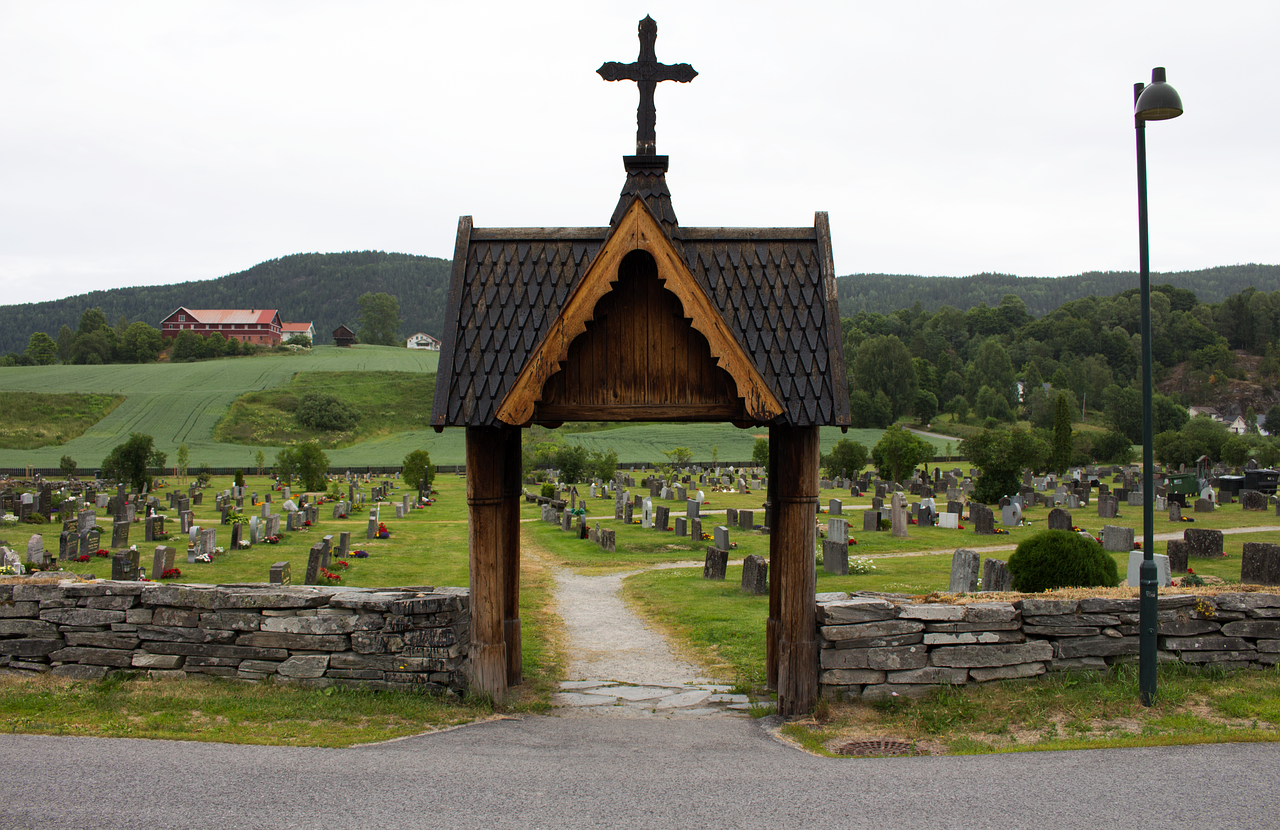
x=638 y=230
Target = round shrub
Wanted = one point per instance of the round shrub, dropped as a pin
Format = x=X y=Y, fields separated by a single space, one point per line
x=1061 y=559
x=325 y=412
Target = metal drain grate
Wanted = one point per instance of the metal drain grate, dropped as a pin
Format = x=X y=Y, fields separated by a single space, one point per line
x=877 y=747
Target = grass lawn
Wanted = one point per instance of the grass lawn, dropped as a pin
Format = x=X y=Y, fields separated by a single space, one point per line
x=29 y=420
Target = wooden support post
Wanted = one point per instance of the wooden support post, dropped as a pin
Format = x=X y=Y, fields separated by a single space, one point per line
x=771 y=624
x=511 y=555
x=793 y=566
x=486 y=457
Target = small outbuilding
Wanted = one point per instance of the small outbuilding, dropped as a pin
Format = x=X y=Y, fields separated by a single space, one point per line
x=343 y=336
x=422 y=341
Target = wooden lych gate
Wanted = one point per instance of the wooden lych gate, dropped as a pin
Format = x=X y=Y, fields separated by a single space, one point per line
x=642 y=320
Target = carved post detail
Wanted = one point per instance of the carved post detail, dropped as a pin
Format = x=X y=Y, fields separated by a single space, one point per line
x=486 y=457
x=792 y=550
x=511 y=555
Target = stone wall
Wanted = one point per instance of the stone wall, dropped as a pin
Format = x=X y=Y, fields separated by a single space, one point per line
x=414 y=638
x=875 y=646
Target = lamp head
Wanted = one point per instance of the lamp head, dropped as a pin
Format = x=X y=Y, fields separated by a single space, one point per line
x=1158 y=101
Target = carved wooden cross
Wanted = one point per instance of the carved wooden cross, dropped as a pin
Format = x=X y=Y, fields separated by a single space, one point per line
x=647 y=72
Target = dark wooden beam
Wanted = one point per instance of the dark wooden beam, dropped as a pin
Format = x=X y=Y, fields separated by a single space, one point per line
x=486 y=457
x=665 y=412
x=511 y=555
x=775 y=601
x=793 y=565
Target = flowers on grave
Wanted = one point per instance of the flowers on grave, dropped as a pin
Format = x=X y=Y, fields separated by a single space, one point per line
x=9 y=519
x=325 y=573
x=306 y=523
x=219 y=550
x=382 y=533
x=1137 y=546
x=84 y=557
x=706 y=537
x=204 y=557
x=853 y=541
x=861 y=565
x=1185 y=519
x=103 y=552
x=171 y=573
x=1000 y=531
x=360 y=554
x=273 y=540
x=342 y=563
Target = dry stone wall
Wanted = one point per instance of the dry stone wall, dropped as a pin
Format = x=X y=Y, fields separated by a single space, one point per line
x=414 y=638
x=875 y=646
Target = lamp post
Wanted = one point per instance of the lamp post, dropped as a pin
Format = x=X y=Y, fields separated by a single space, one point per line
x=1155 y=102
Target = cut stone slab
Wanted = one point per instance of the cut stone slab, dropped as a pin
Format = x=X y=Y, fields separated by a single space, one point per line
x=1007 y=672
x=683 y=700
x=636 y=692
x=991 y=656
x=578 y=699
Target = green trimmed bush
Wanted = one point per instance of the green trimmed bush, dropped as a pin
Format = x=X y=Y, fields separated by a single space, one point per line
x=1061 y=559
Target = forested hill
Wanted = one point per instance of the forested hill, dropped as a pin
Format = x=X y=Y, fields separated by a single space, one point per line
x=322 y=288
x=885 y=293
x=317 y=288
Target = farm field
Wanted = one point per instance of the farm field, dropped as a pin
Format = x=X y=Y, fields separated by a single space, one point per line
x=182 y=403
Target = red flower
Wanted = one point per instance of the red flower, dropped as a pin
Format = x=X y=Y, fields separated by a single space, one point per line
x=1190 y=571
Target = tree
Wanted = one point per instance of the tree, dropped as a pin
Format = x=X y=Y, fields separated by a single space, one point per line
x=184 y=458
x=1272 y=422
x=1001 y=456
x=868 y=412
x=325 y=412
x=68 y=466
x=760 y=452
x=679 y=457
x=899 y=451
x=573 y=463
x=140 y=343
x=992 y=367
x=287 y=464
x=882 y=364
x=299 y=340
x=416 y=470
x=715 y=454
x=602 y=464
x=128 y=461
x=259 y=460
x=42 y=349
x=1235 y=451
x=379 y=319
x=1060 y=457
x=66 y=339
x=991 y=404
x=312 y=465
x=926 y=406
x=846 y=458
x=156 y=461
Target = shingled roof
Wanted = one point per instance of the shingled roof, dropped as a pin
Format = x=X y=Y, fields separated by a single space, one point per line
x=773 y=287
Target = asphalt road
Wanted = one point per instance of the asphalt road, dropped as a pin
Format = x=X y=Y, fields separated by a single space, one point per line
x=621 y=773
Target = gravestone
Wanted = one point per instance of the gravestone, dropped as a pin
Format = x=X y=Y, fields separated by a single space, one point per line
x=608 y=540
x=68 y=545
x=209 y=540
x=1203 y=543
x=1203 y=506
x=1117 y=539
x=717 y=563
x=870 y=520
x=279 y=574
x=746 y=519
x=1260 y=564
x=951 y=521
x=646 y=513
x=996 y=576
x=755 y=575
x=35 y=550
x=236 y=531
x=1059 y=519
x=835 y=557
x=149 y=529
x=1107 y=506
x=119 y=535
x=984 y=522
x=628 y=513
x=898 y=515
x=721 y=537
x=273 y=524
x=1011 y=514
x=691 y=508
x=313 y=564
x=695 y=529
x=682 y=526
x=1175 y=511
x=327 y=542
x=1133 y=573
x=964 y=572
x=123 y=568
x=1177 y=551
x=344 y=544
x=835 y=507
x=162 y=561
x=1253 y=500
x=731 y=517
x=255 y=530
x=566 y=520
x=372 y=530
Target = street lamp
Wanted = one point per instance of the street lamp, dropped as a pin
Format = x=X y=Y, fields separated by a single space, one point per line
x=1156 y=102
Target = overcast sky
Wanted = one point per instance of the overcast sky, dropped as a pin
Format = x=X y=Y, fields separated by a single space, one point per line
x=148 y=143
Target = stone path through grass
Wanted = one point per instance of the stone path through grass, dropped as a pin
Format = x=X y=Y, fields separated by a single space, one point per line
x=617 y=666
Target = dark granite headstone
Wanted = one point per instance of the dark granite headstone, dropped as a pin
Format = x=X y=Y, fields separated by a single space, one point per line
x=870 y=520
x=996 y=576
x=717 y=563
x=313 y=563
x=1059 y=519
x=835 y=557
x=964 y=572
x=1203 y=543
x=1253 y=500
x=1260 y=564
x=280 y=573
x=1176 y=550
x=755 y=575
x=984 y=522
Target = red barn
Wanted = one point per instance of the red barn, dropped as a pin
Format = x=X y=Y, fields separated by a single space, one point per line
x=258 y=326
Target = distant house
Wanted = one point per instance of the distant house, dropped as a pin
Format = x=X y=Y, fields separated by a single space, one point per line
x=253 y=325
x=288 y=330
x=1204 y=410
x=422 y=341
x=1238 y=426
x=343 y=336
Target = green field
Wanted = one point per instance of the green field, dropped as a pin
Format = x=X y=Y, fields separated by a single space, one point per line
x=183 y=402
